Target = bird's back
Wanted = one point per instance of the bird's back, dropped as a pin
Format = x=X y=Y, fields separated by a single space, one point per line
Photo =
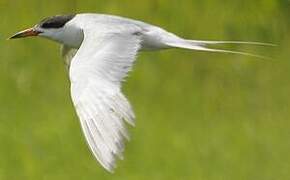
x=112 y=19
x=153 y=37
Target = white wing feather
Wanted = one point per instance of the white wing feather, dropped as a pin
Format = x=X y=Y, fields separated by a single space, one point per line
x=97 y=69
x=96 y=73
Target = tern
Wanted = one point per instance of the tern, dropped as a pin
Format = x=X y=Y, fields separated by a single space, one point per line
x=99 y=51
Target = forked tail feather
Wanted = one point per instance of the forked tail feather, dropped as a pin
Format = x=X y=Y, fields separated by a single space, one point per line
x=202 y=46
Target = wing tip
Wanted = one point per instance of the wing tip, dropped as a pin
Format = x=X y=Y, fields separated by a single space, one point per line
x=110 y=169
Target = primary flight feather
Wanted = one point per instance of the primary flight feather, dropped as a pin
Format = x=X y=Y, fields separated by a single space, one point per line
x=99 y=51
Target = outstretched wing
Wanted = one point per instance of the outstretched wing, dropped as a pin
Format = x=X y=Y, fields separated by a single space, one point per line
x=96 y=73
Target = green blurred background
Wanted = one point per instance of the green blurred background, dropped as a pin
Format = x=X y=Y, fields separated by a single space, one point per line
x=201 y=116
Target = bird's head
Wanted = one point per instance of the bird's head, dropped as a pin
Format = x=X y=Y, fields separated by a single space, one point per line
x=54 y=28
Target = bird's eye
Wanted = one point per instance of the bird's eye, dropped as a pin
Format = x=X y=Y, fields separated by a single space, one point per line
x=44 y=25
x=48 y=25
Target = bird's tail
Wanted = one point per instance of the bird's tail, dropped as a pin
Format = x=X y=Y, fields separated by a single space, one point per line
x=203 y=46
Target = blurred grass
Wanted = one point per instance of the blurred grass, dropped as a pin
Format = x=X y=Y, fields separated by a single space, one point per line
x=200 y=116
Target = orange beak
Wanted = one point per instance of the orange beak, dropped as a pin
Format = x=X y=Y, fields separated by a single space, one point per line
x=25 y=33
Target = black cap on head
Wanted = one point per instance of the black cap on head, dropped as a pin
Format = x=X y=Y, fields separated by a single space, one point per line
x=55 y=21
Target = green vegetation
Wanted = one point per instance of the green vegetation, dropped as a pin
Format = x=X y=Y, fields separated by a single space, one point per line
x=200 y=116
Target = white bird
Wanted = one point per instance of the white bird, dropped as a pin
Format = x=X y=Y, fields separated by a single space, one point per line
x=99 y=51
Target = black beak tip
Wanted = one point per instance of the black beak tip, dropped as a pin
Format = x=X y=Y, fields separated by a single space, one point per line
x=11 y=37
x=26 y=33
x=15 y=36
